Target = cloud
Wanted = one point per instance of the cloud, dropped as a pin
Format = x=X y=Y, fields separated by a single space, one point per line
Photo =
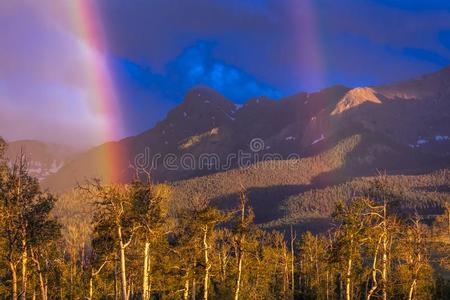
x=52 y=113
x=197 y=65
x=44 y=90
x=160 y=48
x=283 y=42
x=147 y=91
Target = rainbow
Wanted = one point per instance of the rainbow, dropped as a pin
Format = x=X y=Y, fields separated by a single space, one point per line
x=102 y=92
x=305 y=25
x=87 y=21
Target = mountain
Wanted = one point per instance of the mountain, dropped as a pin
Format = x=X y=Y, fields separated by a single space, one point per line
x=205 y=122
x=43 y=158
x=402 y=128
x=415 y=113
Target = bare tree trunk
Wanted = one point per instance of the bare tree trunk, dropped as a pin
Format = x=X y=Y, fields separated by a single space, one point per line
x=286 y=271
x=238 y=281
x=115 y=279
x=327 y=287
x=13 y=268
x=348 y=282
x=385 y=250
x=374 y=271
x=411 y=289
x=43 y=286
x=23 y=293
x=384 y=272
x=186 y=289
x=42 y=281
x=123 y=271
x=194 y=289
x=316 y=261
x=149 y=276
x=223 y=265
x=72 y=263
x=207 y=264
x=91 y=279
x=240 y=252
x=293 y=237
x=91 y=287
x=145 y=285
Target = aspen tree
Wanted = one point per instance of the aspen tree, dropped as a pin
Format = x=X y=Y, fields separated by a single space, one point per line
x=150 y=207
x=26 y=221
x=242 y=228
x=114 y=223
x=351 y=233
x=293 y=237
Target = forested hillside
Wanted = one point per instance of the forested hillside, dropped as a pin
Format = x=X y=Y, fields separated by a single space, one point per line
x=145 y=241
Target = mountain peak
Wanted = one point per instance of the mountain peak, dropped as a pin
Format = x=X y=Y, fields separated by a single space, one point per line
x=203 y=94
x=354 y=98
x=204 y=101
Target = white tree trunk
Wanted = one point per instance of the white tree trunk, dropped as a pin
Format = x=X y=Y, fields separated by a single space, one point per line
x=238 y=281
x=348 y=283
x=13 y=280
x=293 y=237
x=186 y=289
x=411 y=289
x=374 y=271
x=42 y=286
x=145 y=281
x=194 y=289
x=91 y=287
x=23 y=293
x=207 y=264
x=123 y=271
x=384 y=272
x=348 y=279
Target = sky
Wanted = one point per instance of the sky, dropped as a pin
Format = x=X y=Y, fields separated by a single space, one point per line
x=98 y=70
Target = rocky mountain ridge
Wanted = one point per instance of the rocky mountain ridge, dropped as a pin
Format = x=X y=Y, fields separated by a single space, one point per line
x=404 y=126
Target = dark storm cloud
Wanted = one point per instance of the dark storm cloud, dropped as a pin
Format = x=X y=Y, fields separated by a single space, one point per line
x=247 y=48
x=195 y=65
x=264 y=38
x=160 y=48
